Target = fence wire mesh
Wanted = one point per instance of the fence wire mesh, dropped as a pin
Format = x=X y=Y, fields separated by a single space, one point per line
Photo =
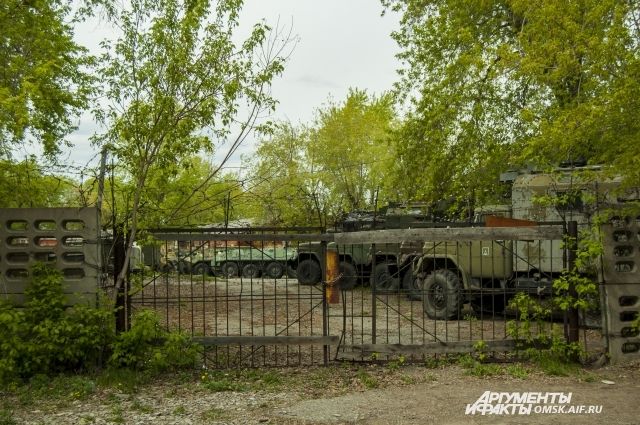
x=258 y=297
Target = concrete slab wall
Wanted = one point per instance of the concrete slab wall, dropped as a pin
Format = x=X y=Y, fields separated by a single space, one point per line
x=64 y=237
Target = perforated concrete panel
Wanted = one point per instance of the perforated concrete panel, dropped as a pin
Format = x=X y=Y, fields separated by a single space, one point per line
x=63 y=237
x=621 y=278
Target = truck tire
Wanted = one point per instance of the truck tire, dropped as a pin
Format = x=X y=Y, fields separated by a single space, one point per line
x=168 y=267
x=184 y=267
x=275 y=270
x=291 y=272
x=229 y=269
x=348 y=276
x=250 y=271
x=200 y=268
x=442 y=299
x=410 y=284
x=383 y=278
x=309 y=272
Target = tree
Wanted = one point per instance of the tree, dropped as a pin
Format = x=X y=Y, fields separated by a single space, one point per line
x=175 y=81
x=349 y=144
x=511 y=83
x=26 y=184
x=43 y=83
x=340 y=163
x=283 y=188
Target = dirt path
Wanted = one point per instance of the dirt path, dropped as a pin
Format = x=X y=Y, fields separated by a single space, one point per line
x=342 y=394
x=444 y=402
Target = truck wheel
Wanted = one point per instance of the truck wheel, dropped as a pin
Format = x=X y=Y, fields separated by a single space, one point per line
x=250 y=271
x=291 y=272
x=442 y=299
x=168 y=267
x=200 y=268
x=349 y=276
x=410 y=284
x=383 y=279
x=229 y=269
x=274 y=270
x=309 y=272
x=184 y=267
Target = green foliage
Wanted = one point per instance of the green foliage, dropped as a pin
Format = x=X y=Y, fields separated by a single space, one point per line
x=498 y=84
x=220 y=382
x=517 y=371
x=588 y=248
x=45 y=337
x=397 y=362
x=479 y=349
x=6 y=417
x=349 y=145
x=367 y=379
x=544 y=344
x=148 y=346
x=531 y=325
x=339 y=163
x=285 y=186
x=476 y=367
x=44 y=82
x=26 y=184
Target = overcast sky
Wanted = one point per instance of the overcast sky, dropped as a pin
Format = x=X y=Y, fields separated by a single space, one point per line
x=341 y=44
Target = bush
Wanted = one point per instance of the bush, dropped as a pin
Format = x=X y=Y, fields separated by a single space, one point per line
x=45 y=337
x=147 y=346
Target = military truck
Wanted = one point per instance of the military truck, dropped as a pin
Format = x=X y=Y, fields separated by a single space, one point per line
x=251 y=262
x=379 y=263
x=487 y=273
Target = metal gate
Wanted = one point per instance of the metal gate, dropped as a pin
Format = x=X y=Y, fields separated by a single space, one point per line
x=235 y=292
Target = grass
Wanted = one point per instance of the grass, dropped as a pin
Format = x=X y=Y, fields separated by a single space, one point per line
x=116 y=414
x=180 y=410
x=517 y=371
x=552 y=365
x=214 y=414
x=6 y=417
x=366 y=379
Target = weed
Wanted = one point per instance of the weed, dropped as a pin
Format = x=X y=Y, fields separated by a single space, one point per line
x=517 y=371
x=467 y=361
x=438 y=361
x=367 y=380
x=87 y=419
x=589 y=377
x=219 y=382
x=124 y=380
x=261 y=379
x=555 y=365
x=147 y=346
x=214 y=414
x=397 y=362
x=180 y=410
x=408 y=379
x=482 y=370
x=116 y=414
x=6 y=417
x=139 y=407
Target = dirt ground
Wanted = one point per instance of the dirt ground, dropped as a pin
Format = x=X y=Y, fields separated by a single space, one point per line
x=345 y=394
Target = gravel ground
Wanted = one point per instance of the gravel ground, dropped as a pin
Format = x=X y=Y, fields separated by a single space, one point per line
x=344 y=394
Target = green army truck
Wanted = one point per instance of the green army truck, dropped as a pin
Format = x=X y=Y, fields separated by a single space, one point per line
x=487 y=273
x=380 y=264
x=252 y=262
